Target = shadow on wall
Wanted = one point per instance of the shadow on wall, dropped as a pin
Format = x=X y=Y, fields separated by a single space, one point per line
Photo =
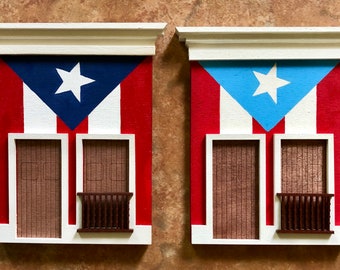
x=31 y=255
x=276 y=254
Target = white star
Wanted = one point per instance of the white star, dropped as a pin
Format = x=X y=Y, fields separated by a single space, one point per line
x=269 y=83
x=72 y=81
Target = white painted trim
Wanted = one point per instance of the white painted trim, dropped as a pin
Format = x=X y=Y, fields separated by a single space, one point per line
x=12 y=226
x=141 y=235
x=241 y=43
x=200 y=235
x=79 y=38
x=206 y=231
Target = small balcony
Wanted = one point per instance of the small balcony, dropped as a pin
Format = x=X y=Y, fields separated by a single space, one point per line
x=305 y=213
x=105 y=212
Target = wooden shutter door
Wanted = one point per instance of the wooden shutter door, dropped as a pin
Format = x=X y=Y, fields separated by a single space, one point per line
x=305 y=206
x=236 y=189
x=38 y=188
x=106 y=165
x=303 y=166
x=105 y=199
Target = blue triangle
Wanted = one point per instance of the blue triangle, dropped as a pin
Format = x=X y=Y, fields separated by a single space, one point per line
x=238 y=79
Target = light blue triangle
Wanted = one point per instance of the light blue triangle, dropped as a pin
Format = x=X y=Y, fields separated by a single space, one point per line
x=238 y=79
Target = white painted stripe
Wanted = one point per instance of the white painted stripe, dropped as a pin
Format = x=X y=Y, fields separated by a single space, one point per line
x=302 y=118
x=38 y=117
x=105 y=118
x=233 y=118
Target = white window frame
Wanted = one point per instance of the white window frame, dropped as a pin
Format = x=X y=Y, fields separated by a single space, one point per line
x=132 y=175
x=10 y=233
x=329 y=138
x=203 y=234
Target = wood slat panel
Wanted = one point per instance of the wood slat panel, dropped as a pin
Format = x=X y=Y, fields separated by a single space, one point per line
x=38 y=188
x=106 y=166
x=303 y=168
x=235 y=189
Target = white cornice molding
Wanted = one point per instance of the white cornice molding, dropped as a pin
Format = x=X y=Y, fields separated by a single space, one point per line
x=247 y=43
x=80 y=38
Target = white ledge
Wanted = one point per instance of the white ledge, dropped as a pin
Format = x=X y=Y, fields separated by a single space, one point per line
x=249 y=43
x=80 y=38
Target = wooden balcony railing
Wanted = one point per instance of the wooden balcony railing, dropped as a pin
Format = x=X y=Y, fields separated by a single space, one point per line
x=305 y=213
x=105 y=212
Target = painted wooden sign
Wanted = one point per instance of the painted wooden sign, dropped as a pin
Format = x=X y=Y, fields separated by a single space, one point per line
x=76 y=138
x=264 y=135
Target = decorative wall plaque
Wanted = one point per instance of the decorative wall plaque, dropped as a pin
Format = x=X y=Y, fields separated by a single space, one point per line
x=264 y=135
x=76 y=132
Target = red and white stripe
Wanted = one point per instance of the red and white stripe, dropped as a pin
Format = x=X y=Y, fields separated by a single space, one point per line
x=126 y=110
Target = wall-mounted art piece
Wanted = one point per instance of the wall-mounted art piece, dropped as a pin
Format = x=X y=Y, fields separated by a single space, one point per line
x=265 y=135
x=75 y=132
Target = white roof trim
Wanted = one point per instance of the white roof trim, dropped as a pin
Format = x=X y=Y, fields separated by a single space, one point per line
x=79 y=38
x=250 y=43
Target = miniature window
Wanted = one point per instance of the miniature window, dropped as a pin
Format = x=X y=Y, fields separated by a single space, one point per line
x=270 y=81
x=233 y=186
x=110 y=66
x=106 y=181
x=304 y=183
x=37 y=172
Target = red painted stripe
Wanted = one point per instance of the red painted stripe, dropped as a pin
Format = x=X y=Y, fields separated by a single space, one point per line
x=328 y=121
x=81 y=128
x=279 y=128
x=136 y=118
x=11 y=120
x=205 y=119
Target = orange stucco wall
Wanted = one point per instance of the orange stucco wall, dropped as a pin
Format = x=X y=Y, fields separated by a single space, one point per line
x=171 y=248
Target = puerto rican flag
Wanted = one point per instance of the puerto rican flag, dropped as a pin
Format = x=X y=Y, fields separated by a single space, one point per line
x=268 y=97
x=78 y=94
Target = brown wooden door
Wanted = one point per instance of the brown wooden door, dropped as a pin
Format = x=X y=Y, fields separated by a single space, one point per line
x=303 y=166
x=236 y=189
x=105 y=200
x=38 y=188
x=106 y=166
x=305 y=206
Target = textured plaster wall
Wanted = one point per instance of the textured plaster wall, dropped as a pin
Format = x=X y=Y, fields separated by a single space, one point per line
x=171 y=248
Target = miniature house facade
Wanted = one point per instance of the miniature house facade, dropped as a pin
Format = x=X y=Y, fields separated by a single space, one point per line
x=264 y=135
x=76 y=132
